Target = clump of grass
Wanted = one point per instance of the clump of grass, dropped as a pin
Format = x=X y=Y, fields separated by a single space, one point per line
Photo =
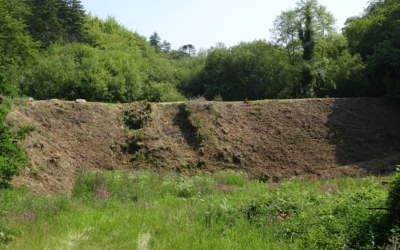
x=231 y=178
x=136 y=116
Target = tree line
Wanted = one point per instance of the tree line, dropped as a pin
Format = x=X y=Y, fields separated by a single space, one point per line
x=53 y=49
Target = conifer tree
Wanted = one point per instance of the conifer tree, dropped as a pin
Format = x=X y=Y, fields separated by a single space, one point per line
x=73 y=22
x=44 y=23
x=166 y=46
x=155 y=41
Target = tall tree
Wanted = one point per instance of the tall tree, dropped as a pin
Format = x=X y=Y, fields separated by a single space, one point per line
x=44 y=23
x=313 y=23
x=16 y=46
x=191 y=50
x=165 y=46
x=72 y=14
x=300 y=32
x=324 y=27
x=188 y=49
x=375 y=35
x=155 y=41
x=306 y=12
x=285 y=34
x=306 y=35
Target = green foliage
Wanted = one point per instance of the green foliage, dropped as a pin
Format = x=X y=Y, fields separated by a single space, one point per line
x=188 y=49
x=348 y=74
x=56 y=21
x=247 y=70
x=231 y=178
x=218 y=98
x=393 y=201
x=16 y=45
x=116 y=66
x=306 y=31
x=170 y=209
x=87 y=57
x=45 y=24
x=11 y=153
x=6 y=88
x=375 y=36
x=79 y=71
x=7 y=234
x=163 y=92
x=285 y=35
x=155 y=41
x=72 y=14
x=325 y=216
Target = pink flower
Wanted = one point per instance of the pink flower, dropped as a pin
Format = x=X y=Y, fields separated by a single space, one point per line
x=102 y=193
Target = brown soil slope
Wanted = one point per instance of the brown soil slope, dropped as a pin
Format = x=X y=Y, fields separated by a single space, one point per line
x=276 y=139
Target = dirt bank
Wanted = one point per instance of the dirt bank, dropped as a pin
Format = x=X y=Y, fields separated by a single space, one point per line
x=320 y=138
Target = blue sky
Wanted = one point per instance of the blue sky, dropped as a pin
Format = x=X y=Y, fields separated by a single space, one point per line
x=207 y=22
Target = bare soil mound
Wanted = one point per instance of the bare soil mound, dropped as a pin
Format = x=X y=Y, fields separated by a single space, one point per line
x=318 y=138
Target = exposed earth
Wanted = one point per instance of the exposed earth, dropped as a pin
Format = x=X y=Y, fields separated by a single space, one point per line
x=317 y=138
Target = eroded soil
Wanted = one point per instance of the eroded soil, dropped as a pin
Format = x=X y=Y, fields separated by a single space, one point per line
x=319 y=138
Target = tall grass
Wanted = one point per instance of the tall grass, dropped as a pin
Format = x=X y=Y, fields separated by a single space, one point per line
x=144 y=210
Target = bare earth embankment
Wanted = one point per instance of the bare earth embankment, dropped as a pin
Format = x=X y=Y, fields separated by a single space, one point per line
x=319 y=138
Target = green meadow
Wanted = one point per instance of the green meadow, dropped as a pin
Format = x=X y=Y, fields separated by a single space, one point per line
x=146 y=210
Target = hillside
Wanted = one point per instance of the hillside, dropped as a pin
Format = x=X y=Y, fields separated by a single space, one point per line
x=317 y=138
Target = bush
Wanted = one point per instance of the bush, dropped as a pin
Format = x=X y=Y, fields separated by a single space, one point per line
x=394 y=199
x=11 y=153
x=5 y=87
x=163 y=92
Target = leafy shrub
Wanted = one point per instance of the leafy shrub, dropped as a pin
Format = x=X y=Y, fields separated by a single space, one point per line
x=11 y=153
x=80 y=71
x=163 y=92
x=218 y=98
x=247 y=70
x=393 y=201
x=320 y=216
x=7 y=234
x=5 y=87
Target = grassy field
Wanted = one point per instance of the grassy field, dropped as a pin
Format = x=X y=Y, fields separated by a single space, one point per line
x=144 y=210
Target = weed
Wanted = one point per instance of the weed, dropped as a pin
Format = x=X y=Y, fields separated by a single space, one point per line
x=139 y=134
x=225 y=189
x=101 y=193
x=237 y=159
x=138 y=117
x=330 y=188
x=218 y=98
x=231 y=178
x=139 y=156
